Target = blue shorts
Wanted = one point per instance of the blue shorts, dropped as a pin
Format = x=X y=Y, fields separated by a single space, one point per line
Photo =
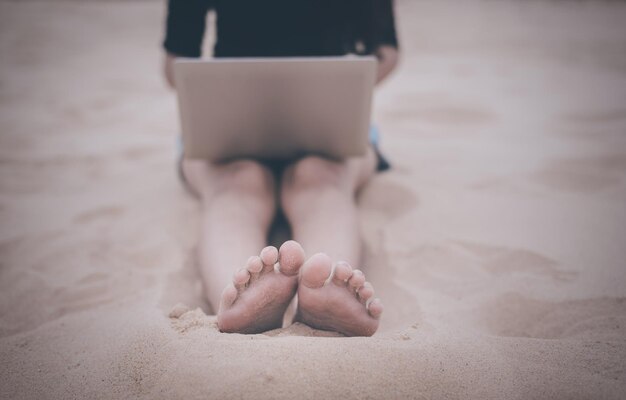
x=383 y=164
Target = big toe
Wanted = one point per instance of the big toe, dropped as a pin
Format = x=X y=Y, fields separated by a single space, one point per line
x=316 y=270
x=290 y=258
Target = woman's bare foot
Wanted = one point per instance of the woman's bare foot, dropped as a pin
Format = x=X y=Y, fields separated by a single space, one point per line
x=341 y=303
x=257 y=298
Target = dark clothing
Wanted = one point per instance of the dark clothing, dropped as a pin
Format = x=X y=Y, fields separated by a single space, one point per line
x=281 y=28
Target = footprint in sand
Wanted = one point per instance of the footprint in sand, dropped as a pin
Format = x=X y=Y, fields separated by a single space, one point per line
x=442 y=115
x=601 y=117
x=500 y=261
x=105 y=212
x=514 y=315
x=583 y=174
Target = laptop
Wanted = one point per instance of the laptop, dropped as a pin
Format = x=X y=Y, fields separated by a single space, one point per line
x=275 y=108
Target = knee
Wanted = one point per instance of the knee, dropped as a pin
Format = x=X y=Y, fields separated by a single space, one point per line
x=245 y=177
x=315 y=172
x=312 y=176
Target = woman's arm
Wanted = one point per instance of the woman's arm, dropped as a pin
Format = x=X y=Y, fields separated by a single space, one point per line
x=387 y=61
x=168 y=69
x=184 y=31
x=385 y=40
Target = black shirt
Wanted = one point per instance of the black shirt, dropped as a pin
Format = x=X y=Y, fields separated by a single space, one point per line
x=281 y=28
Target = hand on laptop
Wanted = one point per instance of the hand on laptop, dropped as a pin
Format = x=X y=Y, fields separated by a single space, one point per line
x=387 y=61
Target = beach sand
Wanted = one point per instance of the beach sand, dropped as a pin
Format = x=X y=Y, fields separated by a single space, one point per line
x=497 y=242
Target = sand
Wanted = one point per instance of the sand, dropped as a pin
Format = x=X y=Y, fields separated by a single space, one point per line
x=498 y=242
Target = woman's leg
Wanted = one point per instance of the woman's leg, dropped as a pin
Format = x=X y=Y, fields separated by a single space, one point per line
x=238 y=205
x=318 y=198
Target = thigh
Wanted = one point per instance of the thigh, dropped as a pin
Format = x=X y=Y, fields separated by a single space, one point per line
x=204 y=178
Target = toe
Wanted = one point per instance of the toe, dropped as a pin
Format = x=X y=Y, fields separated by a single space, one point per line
x=228 y=297
x=254 y=266
x=316 y=270
x=269 y=257
x=343 y=271
x=290 y=258
x=356 y=280
x=375 y=308
x=365 y=292
x=241 y=278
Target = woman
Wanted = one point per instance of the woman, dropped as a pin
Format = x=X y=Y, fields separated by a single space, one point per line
x=317 y=195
